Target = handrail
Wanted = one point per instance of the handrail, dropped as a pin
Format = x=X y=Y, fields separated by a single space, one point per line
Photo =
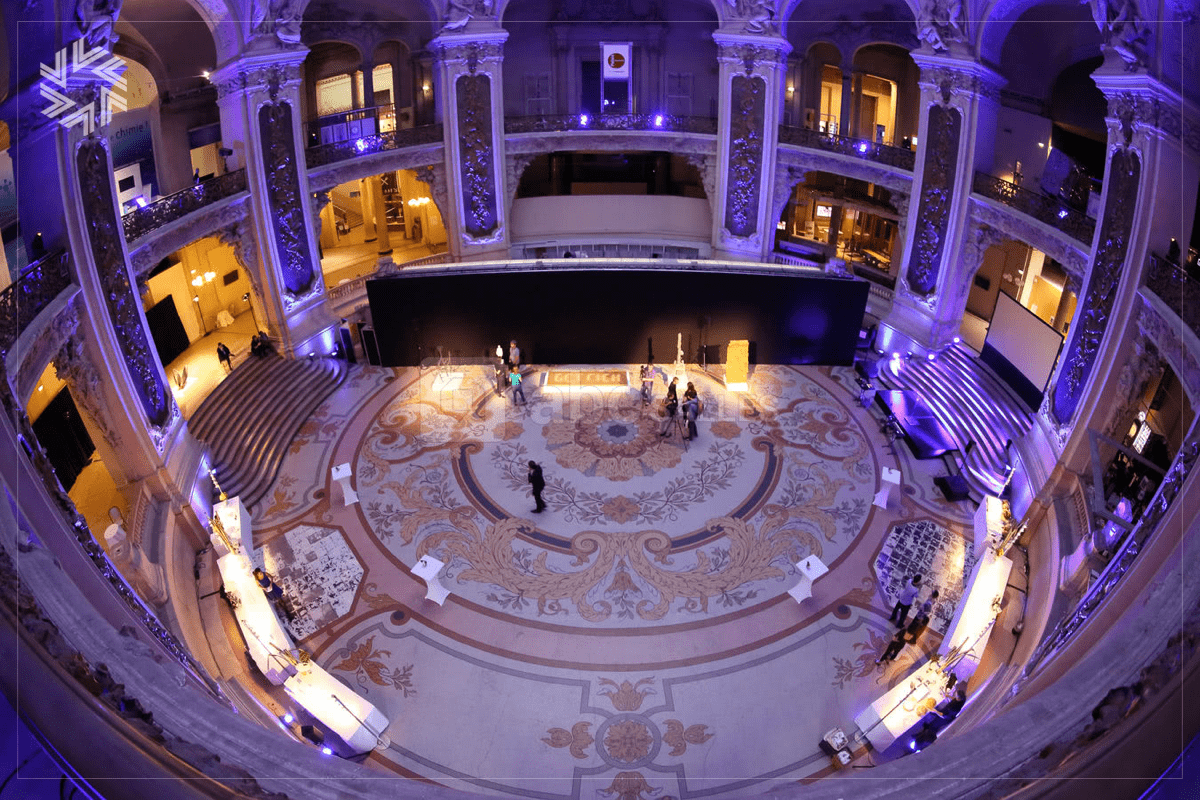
x=1176 y=288
x=322 y=154
x=25 y=298
x=550 y=123
x=1051 y=210
x=1116 y=569
x=141 y=221
x=899 y=157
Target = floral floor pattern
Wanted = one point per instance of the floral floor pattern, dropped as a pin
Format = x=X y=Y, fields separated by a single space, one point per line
x=635 y=639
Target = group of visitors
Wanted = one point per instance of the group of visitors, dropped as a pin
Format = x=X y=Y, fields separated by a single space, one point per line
x=908 y=632
x=670 y=405
x=508 y=372
x=260 y=344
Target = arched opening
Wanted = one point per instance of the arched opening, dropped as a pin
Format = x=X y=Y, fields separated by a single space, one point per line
x=831 y=216
x=170 y=134
x=1027 y=275
x=388 y=216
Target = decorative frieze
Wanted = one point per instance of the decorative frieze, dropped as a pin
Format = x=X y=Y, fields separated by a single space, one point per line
x=73 y=366
x=272 y=78
x=1130 y=112
x=1091 y=318
x=105 y=239
x=473 y=102
x=284 y=199
x=746 y=119
x=937 y=190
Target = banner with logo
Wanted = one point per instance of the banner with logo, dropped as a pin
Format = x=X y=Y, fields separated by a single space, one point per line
x=616 y=59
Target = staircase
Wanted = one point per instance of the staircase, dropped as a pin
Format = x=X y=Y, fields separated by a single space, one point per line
x=248 y=422
x=973 y=404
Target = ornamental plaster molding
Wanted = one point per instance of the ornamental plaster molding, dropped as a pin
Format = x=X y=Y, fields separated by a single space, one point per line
x=1062 y=248
x=73 y=366
x=250 y=76
x=751 y=55
x=786 y=178
x=706 y=165
x=435 y=176
x=1175 y=342
x=1135 y=114
x=811 y=160
x=45 y=347
x=514 y=168
x=957 y=82
x=156 y=246
x=239 y=237
x=469 y=54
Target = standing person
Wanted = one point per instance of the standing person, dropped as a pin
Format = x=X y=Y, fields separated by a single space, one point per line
x=647 y=375
x=921 y=621
x=691 y=409
x=671 y=406
x=514 y=378
x=538 y=482
x=196 y=177
x=224 y=356
x=514 y=354
x=894 y=647
x=907 y=596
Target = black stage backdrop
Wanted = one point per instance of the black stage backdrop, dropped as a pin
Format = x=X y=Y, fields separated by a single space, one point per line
x=617 y=316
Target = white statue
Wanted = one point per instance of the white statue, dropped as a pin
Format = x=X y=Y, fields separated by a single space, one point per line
x=279 y=17
x=1122 y=28
x=757 y=14
x=940 y=23
x=95 y=19
x=460 y=12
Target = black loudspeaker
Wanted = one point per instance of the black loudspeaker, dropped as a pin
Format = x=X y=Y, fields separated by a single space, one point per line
x=370 y=346
x=347 y=344
x=313 y=734
x=954 y=487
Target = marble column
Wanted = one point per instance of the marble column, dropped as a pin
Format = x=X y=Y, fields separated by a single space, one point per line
x=470 y=82
x=959 y=99
x=752 y=76
x=1141 y=209
x=259 y=98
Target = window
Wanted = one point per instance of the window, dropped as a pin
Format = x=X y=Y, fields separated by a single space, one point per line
x=537 y=94
x=679 y=93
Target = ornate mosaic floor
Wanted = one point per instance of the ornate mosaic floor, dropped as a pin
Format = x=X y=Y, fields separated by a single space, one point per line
x=636 y=639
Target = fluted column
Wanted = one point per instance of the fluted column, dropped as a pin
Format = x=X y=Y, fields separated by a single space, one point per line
x=259 y=97
x=468 y=66
x=959 y=99
x=1141 y=212
x=752 y=77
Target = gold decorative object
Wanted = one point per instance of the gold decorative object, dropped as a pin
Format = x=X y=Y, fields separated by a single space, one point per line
x=212 y=474
x=214 y=524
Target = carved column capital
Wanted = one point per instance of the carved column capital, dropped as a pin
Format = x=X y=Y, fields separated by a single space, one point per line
x=1140 y=106
x=274 y=74
x=750 y=55
x=957 y=82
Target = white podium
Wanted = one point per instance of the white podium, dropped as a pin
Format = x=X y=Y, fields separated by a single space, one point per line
x=890 y=477
x=810 y=569
x=427 y=569
x=341 y=476
x=235 y=519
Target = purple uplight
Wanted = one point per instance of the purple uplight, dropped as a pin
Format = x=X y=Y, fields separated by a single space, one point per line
x=141 y=201
x=360 y=145
x=957 y=340
x=1062 y=213
x=862 y=147
x=327 y=751
x=583 y=120
x=658 y=120
x=289 y=719
x=931 y=356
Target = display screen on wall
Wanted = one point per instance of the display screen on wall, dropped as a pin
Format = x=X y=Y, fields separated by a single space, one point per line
x=230 y=277
x=824 y=211
x=132 y=143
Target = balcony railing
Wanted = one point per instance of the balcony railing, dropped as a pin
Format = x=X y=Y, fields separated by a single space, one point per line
x=865 y=149
x=1175 y=287
x=1042 y=207
x=25 y=298
x=610 y=122
x=333 y=152
x=142 y=221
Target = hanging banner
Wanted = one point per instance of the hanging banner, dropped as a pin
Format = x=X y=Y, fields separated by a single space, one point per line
x=616 y=60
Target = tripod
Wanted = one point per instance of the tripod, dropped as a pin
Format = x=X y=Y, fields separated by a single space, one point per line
x=678 y=423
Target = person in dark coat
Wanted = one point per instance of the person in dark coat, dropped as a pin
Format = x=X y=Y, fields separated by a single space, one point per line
x=538 y=482
x=224 y=356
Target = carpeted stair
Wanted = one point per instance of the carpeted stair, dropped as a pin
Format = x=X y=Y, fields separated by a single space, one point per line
x=250 y=419
x=973 y=404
